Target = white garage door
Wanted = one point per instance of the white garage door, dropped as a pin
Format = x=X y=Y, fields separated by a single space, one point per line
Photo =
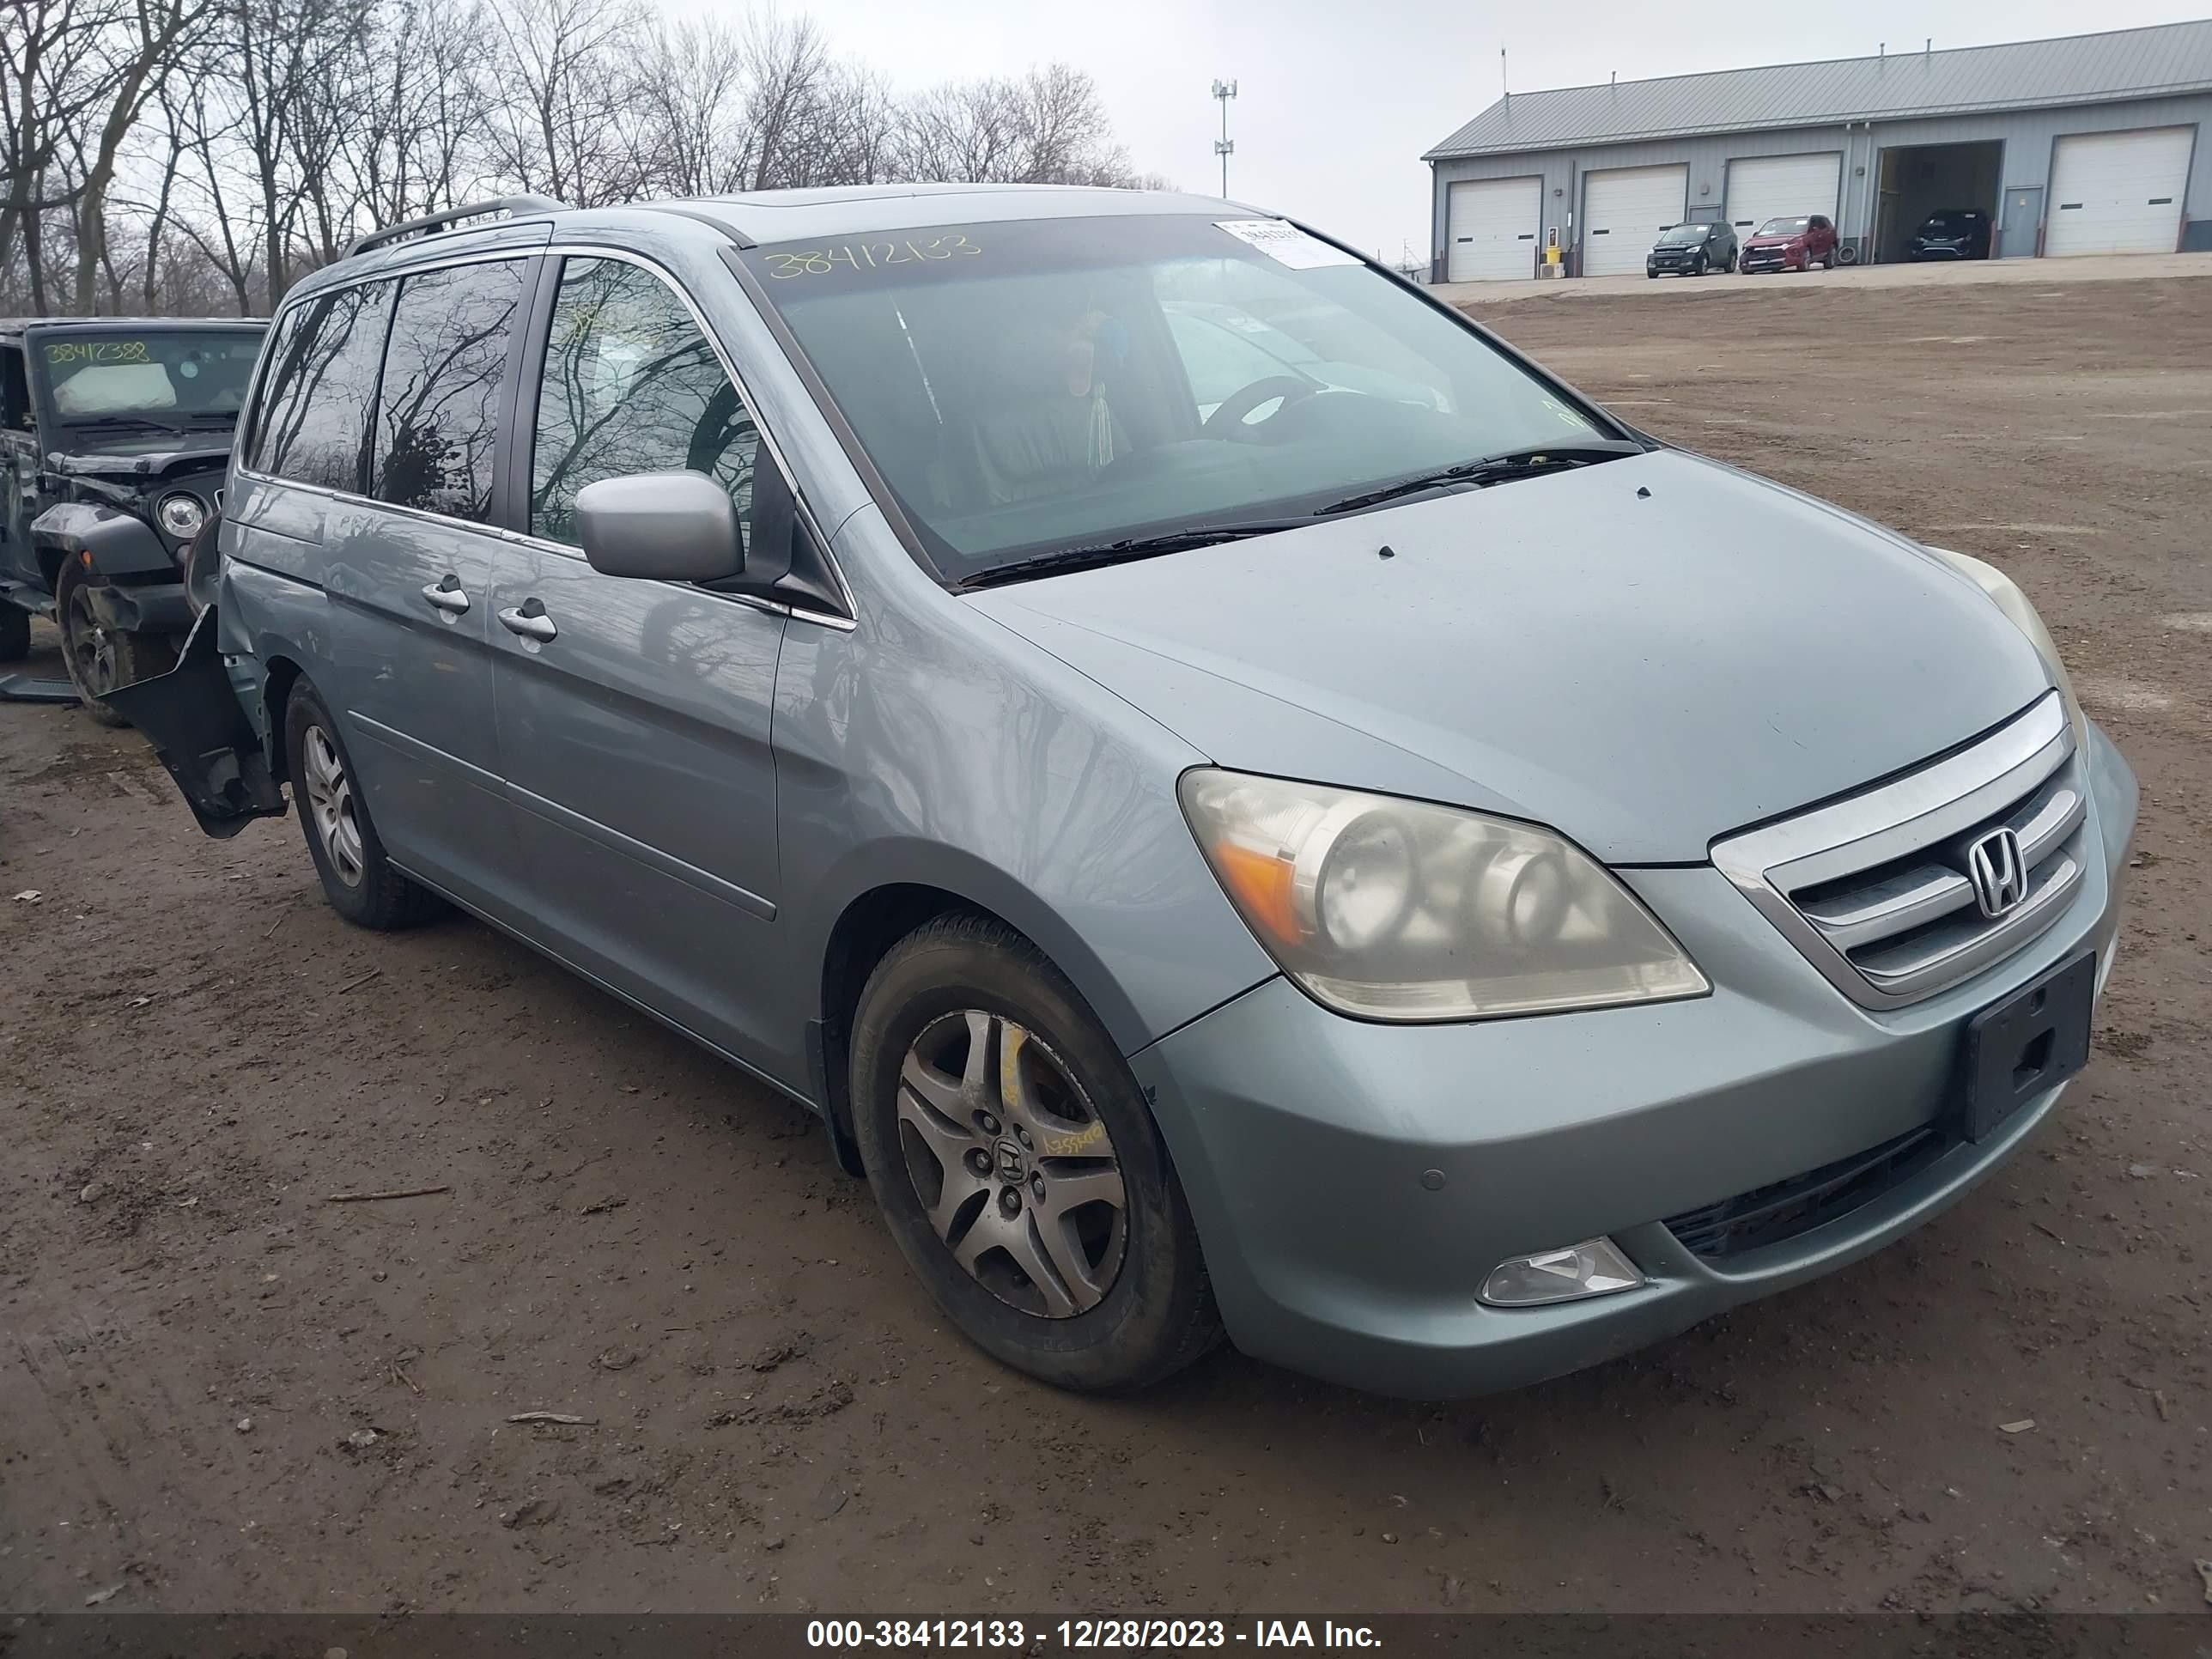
x=1623 y=211
x=2117 y=192
x=1762 y=187
x=1492 y=229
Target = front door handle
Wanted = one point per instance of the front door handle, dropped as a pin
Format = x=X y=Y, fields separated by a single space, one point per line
x=529 y=619
x=447 y=596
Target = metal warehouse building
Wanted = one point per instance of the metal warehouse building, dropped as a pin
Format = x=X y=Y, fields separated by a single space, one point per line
x=2088 y=144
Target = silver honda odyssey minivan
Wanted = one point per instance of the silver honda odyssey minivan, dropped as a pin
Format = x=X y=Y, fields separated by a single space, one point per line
x=1246 y=806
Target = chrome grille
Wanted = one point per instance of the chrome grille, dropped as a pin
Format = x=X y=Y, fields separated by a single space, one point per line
x=1874 y=889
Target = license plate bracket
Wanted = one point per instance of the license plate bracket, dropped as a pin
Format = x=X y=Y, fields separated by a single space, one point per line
x=2030 y=1043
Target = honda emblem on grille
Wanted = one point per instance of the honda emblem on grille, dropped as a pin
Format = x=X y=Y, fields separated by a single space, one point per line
x=1999 y=874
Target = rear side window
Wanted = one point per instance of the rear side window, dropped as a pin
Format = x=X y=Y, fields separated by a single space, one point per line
x=630 y=385
x=313 y=425
x=437 y=414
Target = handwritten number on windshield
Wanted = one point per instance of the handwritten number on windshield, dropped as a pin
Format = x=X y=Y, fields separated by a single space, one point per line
x=866 y=256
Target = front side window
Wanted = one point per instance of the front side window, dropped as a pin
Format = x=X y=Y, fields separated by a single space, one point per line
x=189 y=380
x=15 y=387
x=1038 y=386
x=313 y=424
x=437 y=414
x=630 y=385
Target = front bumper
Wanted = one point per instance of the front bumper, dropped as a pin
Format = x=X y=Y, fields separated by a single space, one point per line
x=142 y=608
x=1310 y=1145
x=1767 y=260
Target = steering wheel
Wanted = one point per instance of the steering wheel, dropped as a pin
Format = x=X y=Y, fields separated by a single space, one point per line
x=1230 y=414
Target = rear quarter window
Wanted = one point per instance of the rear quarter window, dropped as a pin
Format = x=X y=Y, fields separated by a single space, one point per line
x=313 y=424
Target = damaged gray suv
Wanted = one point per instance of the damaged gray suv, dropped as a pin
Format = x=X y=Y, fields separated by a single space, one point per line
x=1244 y=804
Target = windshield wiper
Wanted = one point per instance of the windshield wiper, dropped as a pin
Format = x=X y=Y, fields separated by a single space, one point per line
x=1493 y=469
x=1132 y=547
x=145 y=424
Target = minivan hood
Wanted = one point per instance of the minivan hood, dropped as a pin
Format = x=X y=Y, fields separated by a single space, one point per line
x=1645 y=655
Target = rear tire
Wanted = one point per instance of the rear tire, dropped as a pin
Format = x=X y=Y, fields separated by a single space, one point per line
x=15 y=633
x=99 y=658
x=1071 y=1256
x=358 y=880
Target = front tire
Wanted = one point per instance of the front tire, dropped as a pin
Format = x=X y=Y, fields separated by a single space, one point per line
x=358 y=880
x=99 y=658
x=1018 y=1166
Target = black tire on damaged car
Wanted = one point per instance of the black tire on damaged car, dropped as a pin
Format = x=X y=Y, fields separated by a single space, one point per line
x=100 y=659
x=361 y=884
x=975 y=978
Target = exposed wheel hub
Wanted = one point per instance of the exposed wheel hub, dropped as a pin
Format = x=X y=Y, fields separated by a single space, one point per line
x=1013 y=1163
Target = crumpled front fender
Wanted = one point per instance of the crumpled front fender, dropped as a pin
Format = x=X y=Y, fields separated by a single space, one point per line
x=120 y=546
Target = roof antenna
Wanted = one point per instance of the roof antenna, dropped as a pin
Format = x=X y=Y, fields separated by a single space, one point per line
x=1930 y=47
x=1504 y=88
x=1616 y=77
x=1882 y=49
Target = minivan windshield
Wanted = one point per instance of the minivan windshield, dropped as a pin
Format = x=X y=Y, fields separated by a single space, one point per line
x=1683 y=236
x=181 y=378
x=1032 y=387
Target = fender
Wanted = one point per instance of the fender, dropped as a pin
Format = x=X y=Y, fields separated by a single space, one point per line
x=913 y=861
x=121 y=548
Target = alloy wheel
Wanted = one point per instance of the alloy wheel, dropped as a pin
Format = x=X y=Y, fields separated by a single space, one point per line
x=1012 y=1164
x=331 y=804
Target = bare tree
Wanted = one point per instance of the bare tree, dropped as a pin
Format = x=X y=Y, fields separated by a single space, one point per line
x=50 y=55
x=565 y=98
x=693 y=99
x=205 y=133
x=1045 y=127
x=198 y=155
x=139 y=50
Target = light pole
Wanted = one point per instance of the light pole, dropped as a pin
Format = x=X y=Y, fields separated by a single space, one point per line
x=1224 y=146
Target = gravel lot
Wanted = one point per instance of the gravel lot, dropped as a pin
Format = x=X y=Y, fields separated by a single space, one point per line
x=219 y=1390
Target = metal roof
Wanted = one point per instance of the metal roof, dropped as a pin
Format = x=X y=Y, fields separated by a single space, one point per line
x=2079 y=69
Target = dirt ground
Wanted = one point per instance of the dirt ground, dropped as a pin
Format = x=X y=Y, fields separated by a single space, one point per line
x=220 y=1391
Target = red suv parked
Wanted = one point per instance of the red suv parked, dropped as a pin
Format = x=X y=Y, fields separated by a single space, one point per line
x=1790 y=244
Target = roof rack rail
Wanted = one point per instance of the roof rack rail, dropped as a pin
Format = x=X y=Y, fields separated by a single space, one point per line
x=435 y=221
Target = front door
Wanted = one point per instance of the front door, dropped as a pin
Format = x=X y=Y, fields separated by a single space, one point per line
x=410 y=574
x=2023 y=217
x=633 y=715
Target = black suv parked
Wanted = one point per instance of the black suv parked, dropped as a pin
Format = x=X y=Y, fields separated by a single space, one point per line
x=1953 y=233
x=1691 y=250
x=114 y=433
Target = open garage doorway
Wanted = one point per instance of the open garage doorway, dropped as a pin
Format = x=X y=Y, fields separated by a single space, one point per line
x=1920 y=180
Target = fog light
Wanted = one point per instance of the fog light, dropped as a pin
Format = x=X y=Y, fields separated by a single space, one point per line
x=1594 y=1267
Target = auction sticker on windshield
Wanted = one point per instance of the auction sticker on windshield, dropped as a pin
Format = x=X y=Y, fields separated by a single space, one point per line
x=1285 y=244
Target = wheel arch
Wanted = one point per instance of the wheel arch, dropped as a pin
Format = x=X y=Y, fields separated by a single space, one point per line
x=279 y=674
x=902 y=896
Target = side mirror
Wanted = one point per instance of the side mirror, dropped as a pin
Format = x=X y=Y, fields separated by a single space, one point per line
x=660 y=526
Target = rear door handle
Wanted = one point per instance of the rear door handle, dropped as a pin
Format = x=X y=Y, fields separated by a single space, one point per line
x=447 y=596
x=528 y=619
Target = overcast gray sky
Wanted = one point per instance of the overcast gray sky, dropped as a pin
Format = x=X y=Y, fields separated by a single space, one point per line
x=1339 y=98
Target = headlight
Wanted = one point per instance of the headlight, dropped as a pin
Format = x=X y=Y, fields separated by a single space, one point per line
x=2022 y=615
x=1398 y=910
x=181 y=514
